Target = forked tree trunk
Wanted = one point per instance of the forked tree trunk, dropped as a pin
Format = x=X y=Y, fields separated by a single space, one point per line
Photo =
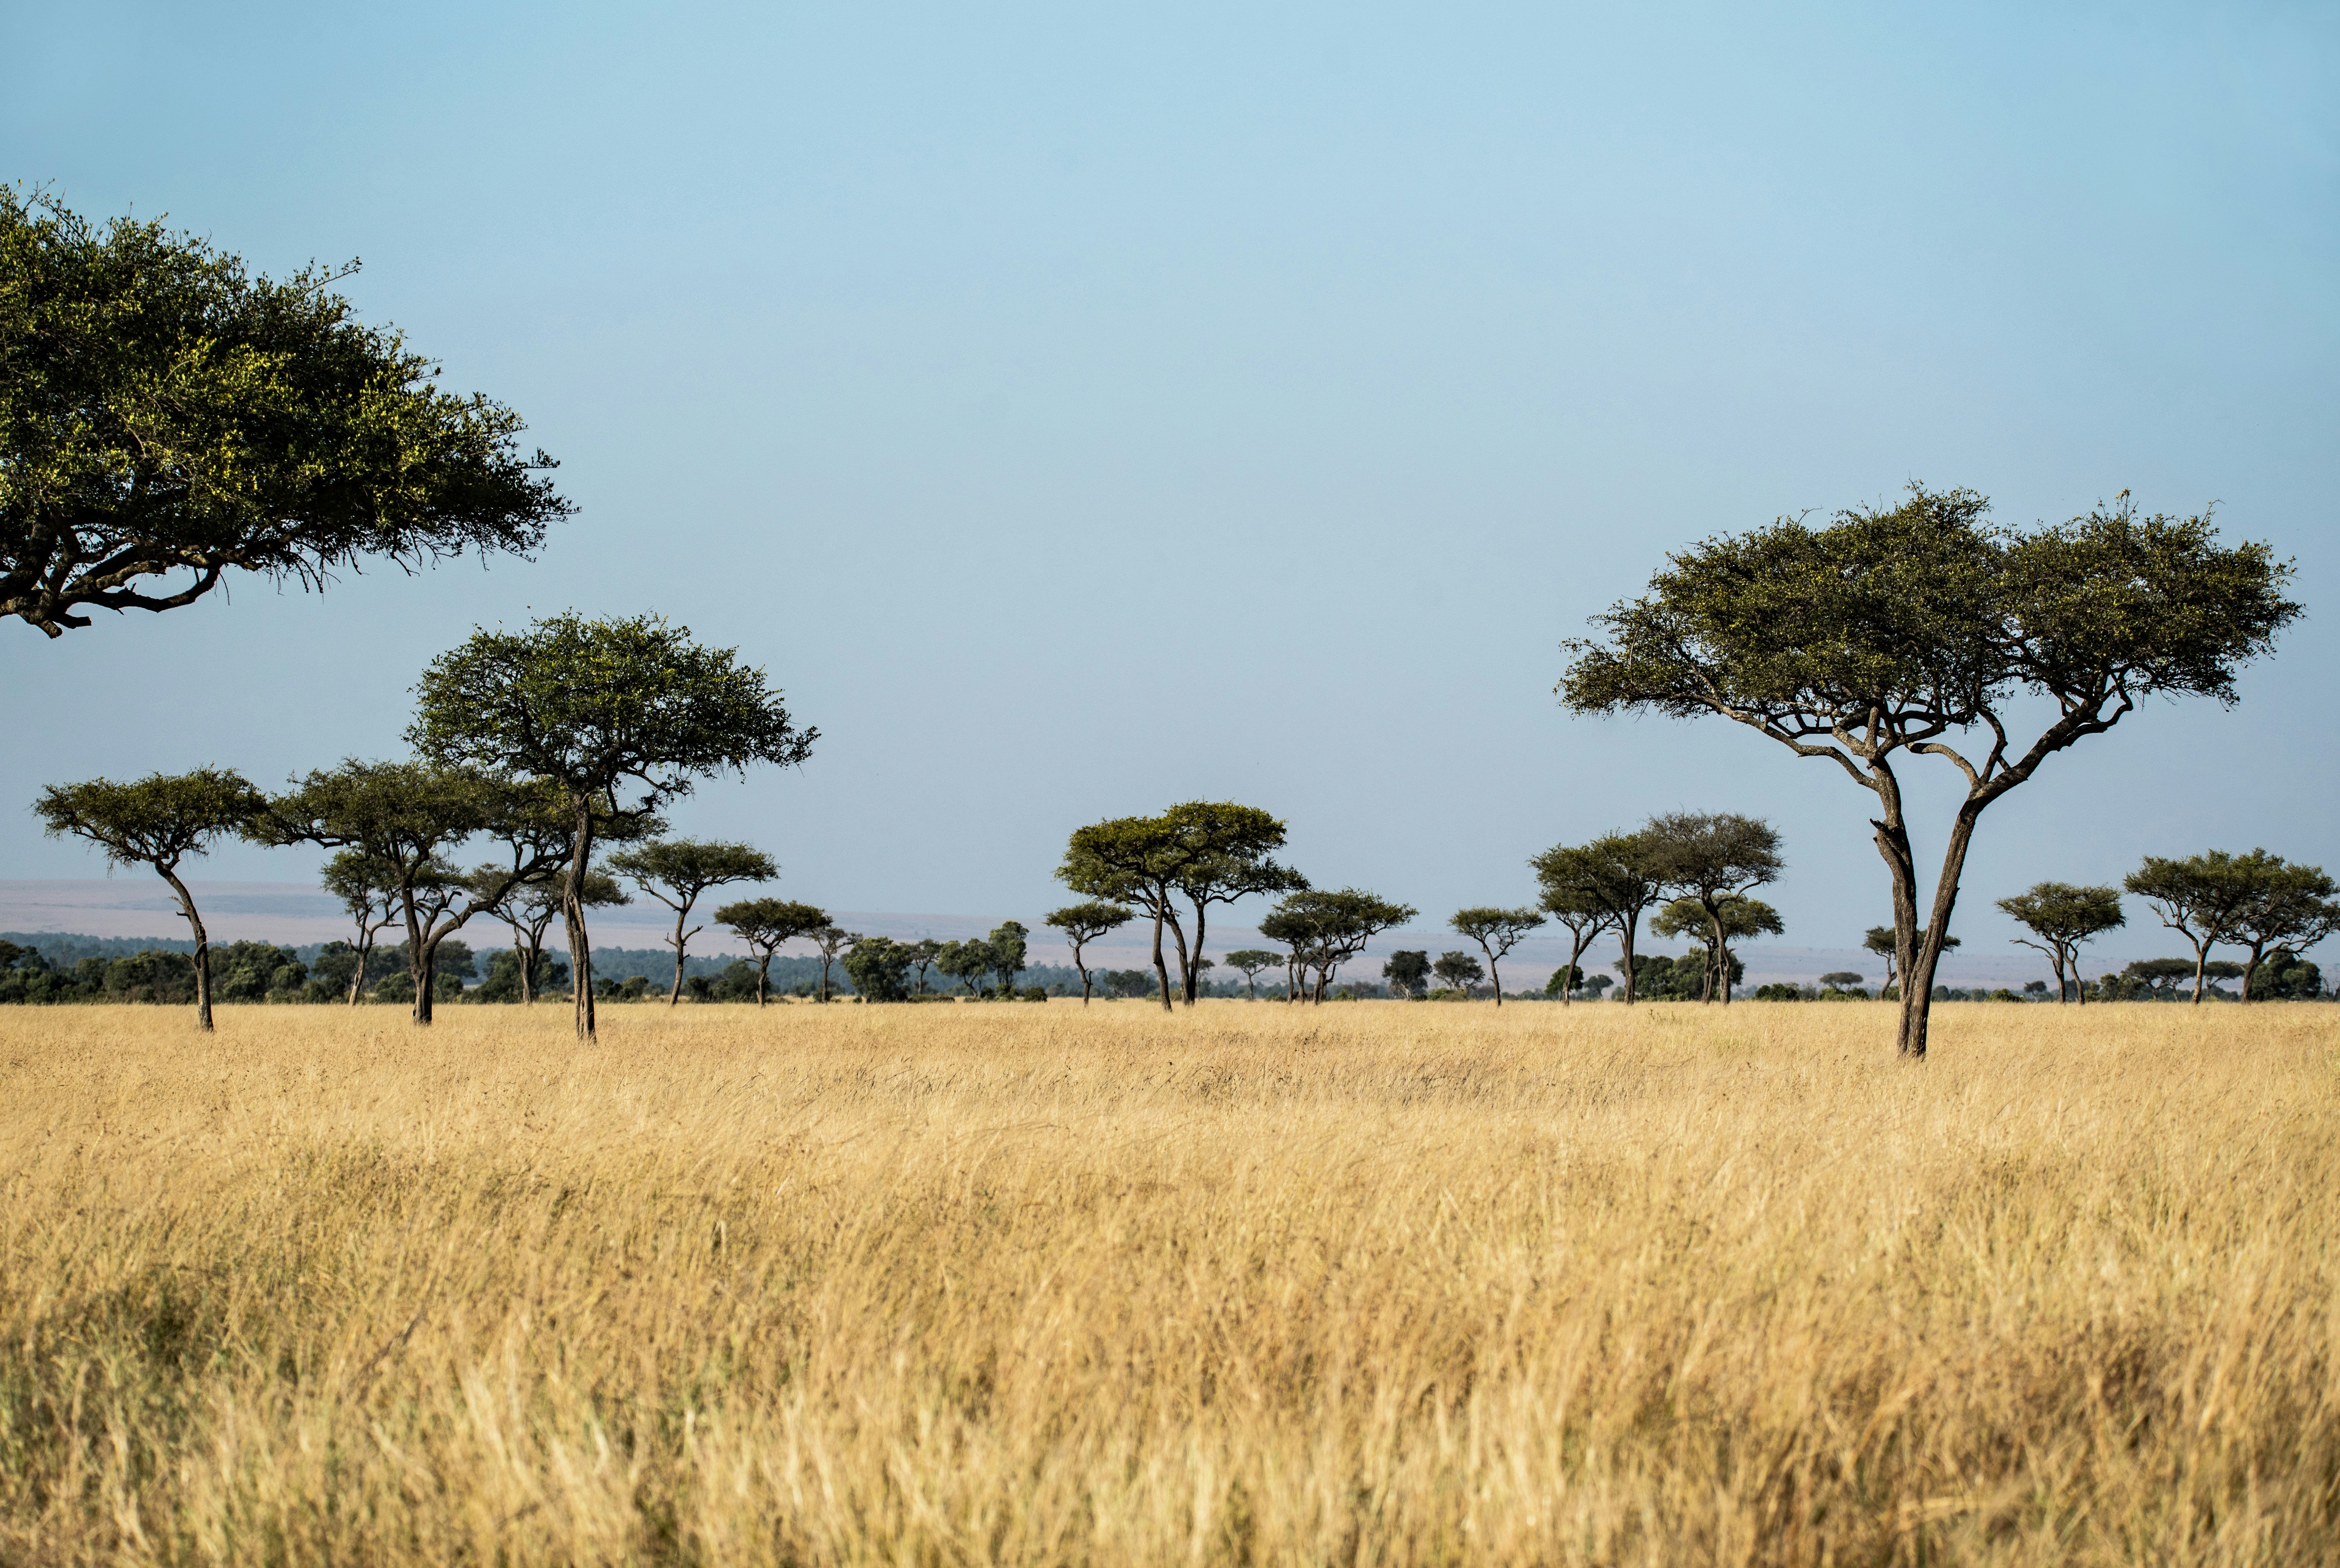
x=202 y=948
x=1918 y=994
x=521 y=955
x=418 y=963
x=1627 y=929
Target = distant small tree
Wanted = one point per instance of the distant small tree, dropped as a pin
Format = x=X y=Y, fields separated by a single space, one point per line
x=530 y=908
x=1251 y=961
x=1084 y=923
x=1887 y=633
x=1733 y=919
x=1407 y=971
x=1459 y=971
x=1497 y=932
x=1006 y=943
x=880 y=968
x=766 y=924
x=2291 y=909
x=923 y=953
x=596 y=707
x=677 y=871
x=368 y=889
x=1571 y=881
x=1840 y=979
x=2200 y=896
x=1713 y=858
x=158 y=821
x=831 y=942
x=967 y=962
x=2061 y=918
x=1326 y=929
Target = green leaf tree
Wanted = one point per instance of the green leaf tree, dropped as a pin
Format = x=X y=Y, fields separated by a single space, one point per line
x=368 y=889
x=1458 y=971
x=1567 y=876
x=1084 y=923
x=766 y=924
x=2291 y=910
x=600 y=709
x=1497 y=932
x=158 y=822
x=165 y=411
x=1407 y=972
x=678 y=871
x=1251 y=961
x=2061 y=919
x=530 y=908
x=1608 y=883
x=408 y=817
x=1713 y=858
x=1900 y=631
x=830 y=941
x=2200 y=896
x=1734 y=918
x=1008 y=945
x=1326 y=929
x=880 y=968
x=967 y=962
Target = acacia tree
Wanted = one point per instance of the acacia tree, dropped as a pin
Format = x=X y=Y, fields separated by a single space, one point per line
x=408 y=817
x=1407 y=972
x=1458 y=970
x=677 y=871
x=1326 y=929
x=163 y=411
x=158 y=821
x=1881 y=941
x=1734 y=918
x=598 y=709
x=1007 y=944
x=2061 y=918
x=1225 y=851
x=923 y=953
x=1129 y=860
x=2291 y=910
x=1894 y=631
x=967 y=962
x=1617 y=877
x=1251 y=961
x=1084 y=923
x=1714 y=857
x=1497 y=932
x=529 y=908
x=830 y=941
x=1566 y=875
x=2199 y=897
x=368 y=889
x=765 y=925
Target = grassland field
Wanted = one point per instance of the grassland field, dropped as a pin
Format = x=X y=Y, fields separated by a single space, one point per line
x=1364 y=1283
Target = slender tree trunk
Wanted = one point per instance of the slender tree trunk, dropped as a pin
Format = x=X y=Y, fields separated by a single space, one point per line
x=1195 y=973
x=1918 y=996
x=203 y=965
x=1186 y=965
x=2201 y=962
x=1161 y=968
x=2251 y=967
x=365 y=957
x=2080 y=983
x=1893 y=844
x=1083 y=969
x=521 y=955
x=1627 y=928
x=763 y=969
x=572 y=911
x=1492 y=973
x=1579 y=941
x=682 y=913
x=417 y=962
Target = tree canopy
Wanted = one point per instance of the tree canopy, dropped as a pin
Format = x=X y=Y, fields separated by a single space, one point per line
x=158 y=821
x=1497 y=932
x=163 y=410
x=2199 y=896
x=2060 y=918
x=1714 y=858
x=1902 y=629
x=766 y=924
x=1326 y=929
x=599 y=708
x=1084 y=923
x=676 y=871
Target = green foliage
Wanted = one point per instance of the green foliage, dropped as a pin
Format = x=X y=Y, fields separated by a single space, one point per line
x=879 y=969
x=163 y=409
x=156 y=821
x=1006 y=945
x=1407 y=972
x=502 y=983
x=1779 y=991
x=1326 y=929
x=1889 y=630
x=1458 y=972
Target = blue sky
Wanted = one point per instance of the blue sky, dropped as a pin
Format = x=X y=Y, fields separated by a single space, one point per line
x=1079 y=409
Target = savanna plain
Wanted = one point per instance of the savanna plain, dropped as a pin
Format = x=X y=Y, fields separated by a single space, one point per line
x=1364 y=1283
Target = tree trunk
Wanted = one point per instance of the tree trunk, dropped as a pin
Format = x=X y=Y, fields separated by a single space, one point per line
x=1083 y=969
x=763 y=969
x=527 y=962
x=2201 y=960
x=1492 y=973
x=1580 y=940
x=2251 y=967
x=572 y=911
x=202 y=948
x=1626 y=930
x=418 y=963
x=682 y=913
x=365 y=957
x=1186 y=965
x=1893 y=844
x=2079 y=984
x=1917 y=996
x=1160 y=967
x=1194 y=972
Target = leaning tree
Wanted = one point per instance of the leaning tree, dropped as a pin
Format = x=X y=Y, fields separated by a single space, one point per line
x=158 y=821
x=2061 y=918
x=165 y=411
x=1084 y=923
x=1900 y=630
x=602 y=710
x=765 y=925
x=1497 y=932
x=678 y=871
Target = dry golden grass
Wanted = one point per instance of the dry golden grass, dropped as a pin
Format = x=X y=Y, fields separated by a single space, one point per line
x=1007 y=1284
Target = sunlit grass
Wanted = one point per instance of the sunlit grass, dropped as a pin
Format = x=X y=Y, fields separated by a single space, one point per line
x=1007 y=1283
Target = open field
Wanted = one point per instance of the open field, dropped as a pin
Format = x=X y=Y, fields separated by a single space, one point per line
x=1367 y=1283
